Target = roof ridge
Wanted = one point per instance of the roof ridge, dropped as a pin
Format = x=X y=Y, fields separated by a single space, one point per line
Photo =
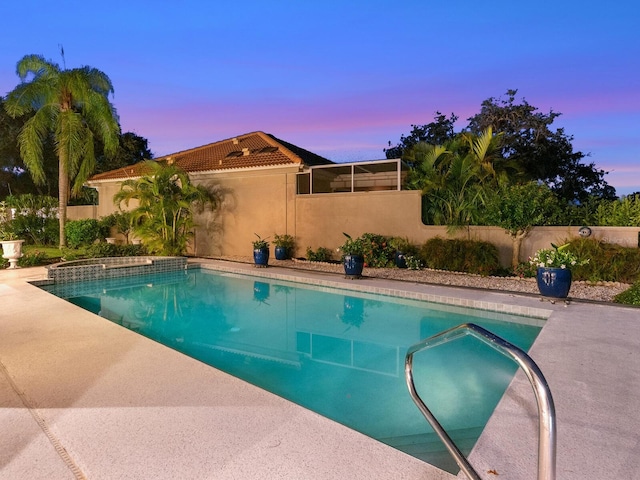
x=209 y=145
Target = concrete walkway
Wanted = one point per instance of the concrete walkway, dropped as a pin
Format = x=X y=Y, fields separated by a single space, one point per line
x=81 y=397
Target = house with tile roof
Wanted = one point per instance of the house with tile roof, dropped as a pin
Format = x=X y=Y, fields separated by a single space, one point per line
x=269 y=186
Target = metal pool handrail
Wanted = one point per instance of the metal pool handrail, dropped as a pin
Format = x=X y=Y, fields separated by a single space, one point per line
x=546 y=410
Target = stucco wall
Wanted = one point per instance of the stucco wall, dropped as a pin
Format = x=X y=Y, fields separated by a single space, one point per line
x=80 y=212
x=265 y=202
x=253 y=202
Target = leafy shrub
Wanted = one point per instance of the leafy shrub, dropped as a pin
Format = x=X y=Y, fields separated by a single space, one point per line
x=525 y=270
x=377 y=250
x=630 y=296
x=32 y=259
x=82 y=232
x=624 y=212
x=69 y=254
x=35 y=218
x=103 y=249
x=469 y=256
x=413 y=262
x=123 y=221
x=402 y=244
x=320 y=255
x=609 y=262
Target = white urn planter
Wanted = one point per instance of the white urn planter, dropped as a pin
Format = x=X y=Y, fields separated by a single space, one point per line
x=12 y=251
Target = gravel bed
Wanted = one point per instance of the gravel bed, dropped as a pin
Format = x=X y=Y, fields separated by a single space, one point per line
x=599 y=292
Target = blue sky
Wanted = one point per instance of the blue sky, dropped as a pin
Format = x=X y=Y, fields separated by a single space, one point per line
x=342 y=78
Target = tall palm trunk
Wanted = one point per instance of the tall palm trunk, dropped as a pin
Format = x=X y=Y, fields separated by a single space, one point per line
x=63 y=194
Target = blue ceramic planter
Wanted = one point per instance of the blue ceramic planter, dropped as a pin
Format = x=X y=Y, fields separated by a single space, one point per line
x=281 y=253
x=400 y=259
x=261 y=257
x=554 y=282
x=353 y=265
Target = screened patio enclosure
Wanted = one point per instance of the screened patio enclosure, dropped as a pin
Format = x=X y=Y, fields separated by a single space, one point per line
x=368 y=176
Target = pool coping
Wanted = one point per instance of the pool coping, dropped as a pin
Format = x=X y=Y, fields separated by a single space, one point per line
x=93 y=389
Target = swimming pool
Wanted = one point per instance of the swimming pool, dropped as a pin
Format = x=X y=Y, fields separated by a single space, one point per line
x=338 y=353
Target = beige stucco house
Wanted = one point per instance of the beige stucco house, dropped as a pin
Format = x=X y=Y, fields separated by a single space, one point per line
x=269 y=186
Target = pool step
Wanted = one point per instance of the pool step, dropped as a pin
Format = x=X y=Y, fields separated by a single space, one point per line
x=429 y=448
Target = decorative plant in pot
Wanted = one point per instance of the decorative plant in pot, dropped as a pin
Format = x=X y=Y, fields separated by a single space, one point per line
x=554 y=270
x=260 y=251
x=403 y=249
x=284 y=245
x=11 y=246
x=352 y=257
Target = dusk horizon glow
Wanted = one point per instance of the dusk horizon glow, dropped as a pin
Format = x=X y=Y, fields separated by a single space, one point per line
x=342 y=79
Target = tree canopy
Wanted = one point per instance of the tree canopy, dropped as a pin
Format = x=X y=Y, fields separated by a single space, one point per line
x=529 y=142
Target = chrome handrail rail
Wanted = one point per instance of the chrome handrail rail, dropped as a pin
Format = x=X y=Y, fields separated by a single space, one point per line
x=547 y=435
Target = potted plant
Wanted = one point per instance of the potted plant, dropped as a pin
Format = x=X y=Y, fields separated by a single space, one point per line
x=284 y=245
x=553 y=273
x=260 y=251
x=403 y=249
x=11 y=246
x=352 y=257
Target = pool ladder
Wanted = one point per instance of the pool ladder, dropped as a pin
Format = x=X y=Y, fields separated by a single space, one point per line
x=546 y=408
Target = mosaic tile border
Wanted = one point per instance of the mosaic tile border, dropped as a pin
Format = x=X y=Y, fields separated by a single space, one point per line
x=112 y=267
x=510 y=309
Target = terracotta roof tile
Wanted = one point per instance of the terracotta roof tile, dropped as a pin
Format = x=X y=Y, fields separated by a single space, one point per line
x=255 y=149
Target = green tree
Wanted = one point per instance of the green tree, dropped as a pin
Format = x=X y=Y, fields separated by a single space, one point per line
x=131 y=149
x=518 y=208
x=438 y=132
x=164 y=217
x=529 y=141
x=72 y=107
x=543 y=153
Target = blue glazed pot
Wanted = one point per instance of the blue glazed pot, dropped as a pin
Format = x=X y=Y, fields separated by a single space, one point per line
x=261 y=257
x=281 y=253
x=400 y=259
x=554 y=282
x=353 y=265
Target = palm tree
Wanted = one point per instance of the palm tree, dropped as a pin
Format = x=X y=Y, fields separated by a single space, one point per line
x=455 y=178
x=72 y=107
x=164 y=216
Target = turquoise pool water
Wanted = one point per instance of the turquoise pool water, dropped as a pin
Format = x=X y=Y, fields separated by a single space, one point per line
x=336 y=352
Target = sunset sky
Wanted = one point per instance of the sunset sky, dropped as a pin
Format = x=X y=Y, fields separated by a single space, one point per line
x=342 y=78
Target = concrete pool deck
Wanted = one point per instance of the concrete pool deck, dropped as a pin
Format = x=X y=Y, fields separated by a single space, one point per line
x=81 y=397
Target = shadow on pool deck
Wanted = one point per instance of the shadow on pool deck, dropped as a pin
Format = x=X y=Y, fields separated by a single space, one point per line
x=81 y=397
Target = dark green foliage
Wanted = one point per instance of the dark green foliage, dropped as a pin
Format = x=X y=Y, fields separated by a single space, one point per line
x=607 y=262
x=285 y=241
x=33 y=259
x=320 y=255
x=469 y=256
x=82 y=232
x=377 y=250
x=631 y=296
x=123 y=221
x=103 y=249
x=529 y=142
x=438 y=132
x=132 y=149
x=35 y=220
x=525 y=270
x=167 y=200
